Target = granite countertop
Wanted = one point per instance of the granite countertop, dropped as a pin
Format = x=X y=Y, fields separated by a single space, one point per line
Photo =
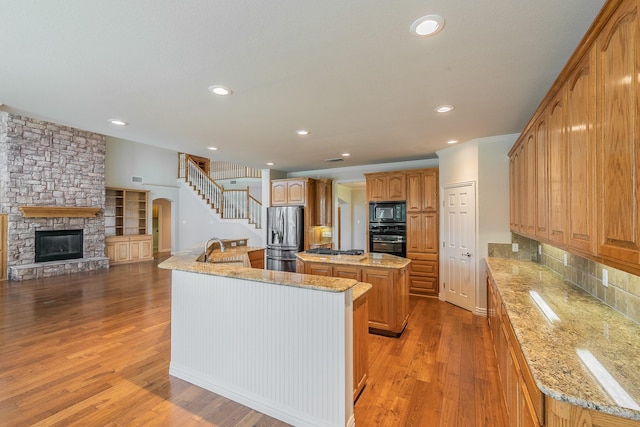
x=586 y=326
x=228 y=267
x=365 y=260
x=360 y=289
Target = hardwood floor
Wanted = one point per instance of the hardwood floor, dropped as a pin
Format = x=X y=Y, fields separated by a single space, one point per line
x=92 y=349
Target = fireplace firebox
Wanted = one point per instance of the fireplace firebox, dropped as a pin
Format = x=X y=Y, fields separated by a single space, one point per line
x=56 y=245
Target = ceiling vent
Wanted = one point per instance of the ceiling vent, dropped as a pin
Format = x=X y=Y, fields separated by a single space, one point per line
x=337 y=159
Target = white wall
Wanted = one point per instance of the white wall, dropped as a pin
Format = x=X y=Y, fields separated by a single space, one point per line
x=485 y=162
x=359 y=215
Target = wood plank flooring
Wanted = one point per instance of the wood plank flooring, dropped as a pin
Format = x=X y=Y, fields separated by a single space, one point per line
x=92 y=349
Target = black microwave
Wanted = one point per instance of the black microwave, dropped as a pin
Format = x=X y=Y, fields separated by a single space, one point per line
x=387 y=212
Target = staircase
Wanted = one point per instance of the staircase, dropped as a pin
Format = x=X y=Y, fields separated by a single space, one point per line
x=229 y=204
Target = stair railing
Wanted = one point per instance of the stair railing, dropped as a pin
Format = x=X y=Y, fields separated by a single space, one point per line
x=230 y=204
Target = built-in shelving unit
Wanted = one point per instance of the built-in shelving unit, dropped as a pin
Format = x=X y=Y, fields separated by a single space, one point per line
x=125 y=220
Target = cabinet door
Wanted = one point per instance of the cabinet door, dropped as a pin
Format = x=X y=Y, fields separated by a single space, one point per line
x=347 y=272
x=513 y=190
x=279 y=193
x=360 y=344
x=422 y=232
x=121 y=251
x=380 y=297
x=430 y=190
x=581 y=155
x=396 y=186
x=324 y=202
x=542 y=180
x=377 y=188
x=558 y=211
x=522 y=188
x=414 y=192
x=318 y=269
x=530 y=184
x=619 y=153
x=296 y=192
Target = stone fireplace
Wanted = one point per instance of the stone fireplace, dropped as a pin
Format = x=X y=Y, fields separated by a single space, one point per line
x=43 y=164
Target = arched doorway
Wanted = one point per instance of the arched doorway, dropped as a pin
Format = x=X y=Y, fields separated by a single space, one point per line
x=161 y=225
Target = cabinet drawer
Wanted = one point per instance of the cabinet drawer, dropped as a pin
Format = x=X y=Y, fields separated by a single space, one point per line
x=418 y=256
x=424 y=268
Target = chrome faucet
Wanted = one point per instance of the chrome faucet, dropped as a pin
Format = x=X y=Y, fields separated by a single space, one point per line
x=206 y=246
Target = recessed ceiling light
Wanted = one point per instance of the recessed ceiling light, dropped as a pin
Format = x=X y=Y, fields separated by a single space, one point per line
x=453 y=141
x=118 y=122
x=444 y=108
x=220 y=90
x=270 y=163
x=212 y=148
x=345 y=154
x=303 y=132
x=427 y=25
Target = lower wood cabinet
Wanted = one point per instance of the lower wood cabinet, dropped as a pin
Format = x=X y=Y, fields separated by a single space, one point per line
x=256 y=259
x=360 y=344
x=423 y=276
x=124 y=249
x=388 y=299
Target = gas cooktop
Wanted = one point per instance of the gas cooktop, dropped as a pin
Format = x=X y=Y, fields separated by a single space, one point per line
x=326 y=251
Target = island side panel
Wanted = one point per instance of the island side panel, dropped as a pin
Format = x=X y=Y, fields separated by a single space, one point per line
x=284 y=351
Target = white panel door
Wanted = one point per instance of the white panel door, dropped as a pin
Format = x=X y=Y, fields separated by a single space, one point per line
x=459 y=245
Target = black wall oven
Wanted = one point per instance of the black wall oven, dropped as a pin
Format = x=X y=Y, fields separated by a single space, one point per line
x=387 y=228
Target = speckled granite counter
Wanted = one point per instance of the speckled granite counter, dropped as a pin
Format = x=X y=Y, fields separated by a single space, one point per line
x=366 y=260
x=187 y=261
x=586 y=326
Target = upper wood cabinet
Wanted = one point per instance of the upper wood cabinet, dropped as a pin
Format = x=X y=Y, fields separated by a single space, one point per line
x=541 y=180
x=422 y=190
x=324 y=202
x=557 y=169
x=581 y=156
x=422 y=232
x=288 y=192
x=529 y=173
x=618 y=59
x=385 y=186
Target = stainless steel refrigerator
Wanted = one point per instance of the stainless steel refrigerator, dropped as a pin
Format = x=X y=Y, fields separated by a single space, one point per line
x=285 y=237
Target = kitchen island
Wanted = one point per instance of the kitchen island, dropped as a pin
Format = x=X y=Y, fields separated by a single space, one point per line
x=564 y=357
x=280 y=343
x=388 y=275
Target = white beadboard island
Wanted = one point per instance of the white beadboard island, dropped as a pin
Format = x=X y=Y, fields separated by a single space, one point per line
x=280 y=343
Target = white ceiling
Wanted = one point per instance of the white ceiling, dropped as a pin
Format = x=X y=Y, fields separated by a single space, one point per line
x=349 y=71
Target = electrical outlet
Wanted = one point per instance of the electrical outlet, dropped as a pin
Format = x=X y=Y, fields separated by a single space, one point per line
x=514 y=247
x=565 y=260
x=605 y=277
x=539 y=249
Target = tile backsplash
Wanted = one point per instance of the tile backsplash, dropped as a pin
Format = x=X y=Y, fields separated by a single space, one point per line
x=622 y=294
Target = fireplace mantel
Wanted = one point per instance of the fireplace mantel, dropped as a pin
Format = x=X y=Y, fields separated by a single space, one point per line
x=58 y=211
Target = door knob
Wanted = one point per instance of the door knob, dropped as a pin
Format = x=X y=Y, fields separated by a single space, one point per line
x=467 y=255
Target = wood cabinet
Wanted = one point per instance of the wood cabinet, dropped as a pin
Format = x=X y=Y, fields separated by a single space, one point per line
x=256 y=259
x=422 y=233
x=581 y=157
x=125 y=249
x=324 y=202
x=386 y=186
x=585 y=192
x=360 y=344
x=388 y=299
x=423 y=279
x=285 y=192
x=524 y=401
x=125 y=216
x=618 y=62
x=422 y=190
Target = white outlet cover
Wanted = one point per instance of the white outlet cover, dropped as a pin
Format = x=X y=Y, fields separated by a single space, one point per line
x=514 y=247
x=605 y=277
x=565 y=260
